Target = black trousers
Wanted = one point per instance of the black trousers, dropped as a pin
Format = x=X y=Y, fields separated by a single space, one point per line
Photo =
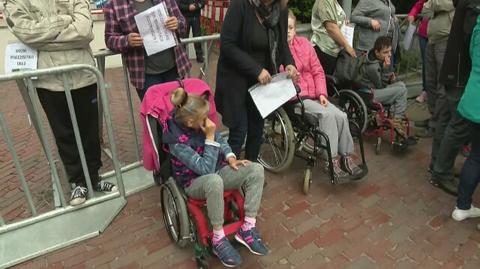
x=194 y=24
x=327 y=61
x=86 y=111
x=250 y=126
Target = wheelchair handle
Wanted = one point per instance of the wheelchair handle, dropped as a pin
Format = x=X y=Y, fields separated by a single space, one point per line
x=298 y=90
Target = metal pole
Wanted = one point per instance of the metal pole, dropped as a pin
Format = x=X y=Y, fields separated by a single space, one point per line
x=130 y=107
x=205 y=58
x=108 y=121
x=78 y=138
x=18 y=166
x=41 y=134
x=2 y=222
x=101 y=66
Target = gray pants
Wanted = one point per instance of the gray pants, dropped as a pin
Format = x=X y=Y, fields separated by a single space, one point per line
x=211 y=187
x=334 y=123
x=436 y=98
x=394 y=94
x=451 y=132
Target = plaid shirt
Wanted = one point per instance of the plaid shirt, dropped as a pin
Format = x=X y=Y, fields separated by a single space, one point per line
x=119 y=22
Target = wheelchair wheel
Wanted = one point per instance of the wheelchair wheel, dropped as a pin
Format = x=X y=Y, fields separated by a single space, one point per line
x=352 y=104
x=278 y=148
x=307 y=180
x=175 y=213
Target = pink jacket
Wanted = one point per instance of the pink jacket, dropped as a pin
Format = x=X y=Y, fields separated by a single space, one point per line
x=312 y=77
x=156 y=103
x=416 y=9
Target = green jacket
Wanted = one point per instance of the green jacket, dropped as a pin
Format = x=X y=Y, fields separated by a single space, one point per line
x=441 y=14
x=61 y=31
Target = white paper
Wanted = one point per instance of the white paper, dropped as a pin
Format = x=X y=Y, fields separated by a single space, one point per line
x=19 y=57
x=348 y=32
x=408 y=37
x=271 y=96
x=151 y=25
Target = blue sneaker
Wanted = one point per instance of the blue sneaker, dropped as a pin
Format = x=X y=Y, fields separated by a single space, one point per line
x=227 y=254
x=252 y=241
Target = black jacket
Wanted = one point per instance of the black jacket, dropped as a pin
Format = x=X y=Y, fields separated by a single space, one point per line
x=457 y=62
x=185 y=4
x=237 y=70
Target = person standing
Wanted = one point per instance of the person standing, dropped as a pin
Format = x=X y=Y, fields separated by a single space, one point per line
x=469 y=108
x=191 y=11
x=122 y=36
x=62 y=32
x=373 y=19
x=253 y=45
x=328 y=18
x=455 y=127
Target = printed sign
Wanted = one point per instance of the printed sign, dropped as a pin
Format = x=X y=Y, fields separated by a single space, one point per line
x=19 y=56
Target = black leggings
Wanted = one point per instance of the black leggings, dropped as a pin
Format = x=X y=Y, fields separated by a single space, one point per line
x=327 y=61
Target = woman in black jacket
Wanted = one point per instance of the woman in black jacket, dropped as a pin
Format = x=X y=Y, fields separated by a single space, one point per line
x=253 y=45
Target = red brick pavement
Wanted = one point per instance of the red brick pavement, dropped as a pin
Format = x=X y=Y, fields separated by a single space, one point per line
x=395 y=218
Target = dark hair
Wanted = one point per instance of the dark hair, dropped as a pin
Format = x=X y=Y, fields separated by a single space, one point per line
x=382 y=42
x=188 y=106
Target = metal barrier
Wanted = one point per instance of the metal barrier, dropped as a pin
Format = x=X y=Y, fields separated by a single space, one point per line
x=14 y=244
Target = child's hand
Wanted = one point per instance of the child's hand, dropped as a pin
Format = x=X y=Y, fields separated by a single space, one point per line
x=209 y=128
x=235 y=164
x=323 y=100
x=387 y=61
x=292 y=72
x=393 y=77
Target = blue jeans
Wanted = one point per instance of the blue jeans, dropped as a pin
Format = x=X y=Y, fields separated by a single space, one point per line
x=470 y=176
x=150 y=80
x=250 y=126
x=422 y=41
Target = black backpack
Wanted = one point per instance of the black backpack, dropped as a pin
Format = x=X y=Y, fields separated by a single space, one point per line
x=348 y=70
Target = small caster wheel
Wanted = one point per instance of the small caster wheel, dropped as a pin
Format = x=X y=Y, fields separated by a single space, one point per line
x=378 y=145
x=202 y=262
x=307 y=180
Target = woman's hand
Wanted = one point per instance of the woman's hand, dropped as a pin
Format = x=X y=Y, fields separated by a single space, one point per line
x=351 y=51
x=235 y=164
x=209 y=129
x=171 y=23
x=292 y=72
x=375 y=25
x=134 y=40
x=264 y=77
x=323 y=100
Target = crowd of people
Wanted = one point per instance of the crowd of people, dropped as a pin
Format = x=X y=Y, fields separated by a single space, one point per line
x=258 y=39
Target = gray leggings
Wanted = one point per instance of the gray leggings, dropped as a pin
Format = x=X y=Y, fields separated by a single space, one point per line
x=211 y=187
x=334 y=123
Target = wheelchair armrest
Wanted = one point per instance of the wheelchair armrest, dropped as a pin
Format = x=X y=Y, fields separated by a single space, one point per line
x=331 y=79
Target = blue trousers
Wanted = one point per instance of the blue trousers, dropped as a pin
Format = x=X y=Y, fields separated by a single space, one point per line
x=470 y=176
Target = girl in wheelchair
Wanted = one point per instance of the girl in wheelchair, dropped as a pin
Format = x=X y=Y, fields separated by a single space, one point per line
x=314 y=94
x=204 y=165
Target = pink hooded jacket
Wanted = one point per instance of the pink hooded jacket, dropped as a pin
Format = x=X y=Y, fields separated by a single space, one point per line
x=312 y=77
x=156 y=103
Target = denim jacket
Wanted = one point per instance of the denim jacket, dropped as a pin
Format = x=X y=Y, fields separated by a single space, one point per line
x=192 y=155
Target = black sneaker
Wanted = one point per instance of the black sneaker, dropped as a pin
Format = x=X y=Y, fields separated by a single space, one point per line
x=447 y=185
x=79 y=196
x=105 y=186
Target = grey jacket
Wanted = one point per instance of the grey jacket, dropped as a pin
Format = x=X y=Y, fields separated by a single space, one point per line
x=364 y=13
x=61 y=31
x=373 y=74
x=441 y=14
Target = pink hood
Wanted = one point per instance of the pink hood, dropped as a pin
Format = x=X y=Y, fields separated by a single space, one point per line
x=312 y=77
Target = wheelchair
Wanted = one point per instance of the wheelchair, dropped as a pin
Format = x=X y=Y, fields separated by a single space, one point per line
x=374 y=118
x=289 y=132
x=185 y=218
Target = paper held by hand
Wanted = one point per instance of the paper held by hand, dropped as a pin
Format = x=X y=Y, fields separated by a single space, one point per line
x=348 y=32
x=151 y=25
x=271 y=96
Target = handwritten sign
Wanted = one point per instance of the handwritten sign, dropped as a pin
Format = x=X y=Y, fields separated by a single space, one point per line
x=19 y=56
x=151 y=25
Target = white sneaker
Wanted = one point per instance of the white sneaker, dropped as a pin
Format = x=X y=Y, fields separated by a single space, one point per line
x=459 y=214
